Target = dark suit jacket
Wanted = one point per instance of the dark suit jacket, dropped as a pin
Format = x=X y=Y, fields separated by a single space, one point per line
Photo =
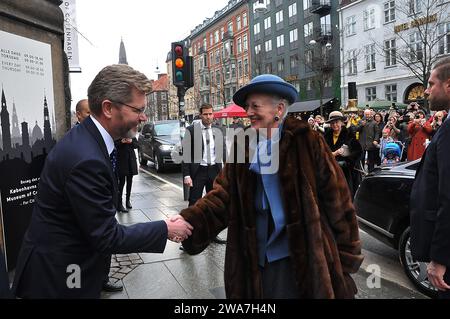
x=73 y=222
x=430 y=202
x=193 y=150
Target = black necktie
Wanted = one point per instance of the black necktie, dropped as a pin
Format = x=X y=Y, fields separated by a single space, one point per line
x=113 y=159
x=208 y=146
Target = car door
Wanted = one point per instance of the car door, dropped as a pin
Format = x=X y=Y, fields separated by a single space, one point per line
x=146 y=140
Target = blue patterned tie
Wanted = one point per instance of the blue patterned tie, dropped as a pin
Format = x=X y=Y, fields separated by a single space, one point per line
x=113 y=159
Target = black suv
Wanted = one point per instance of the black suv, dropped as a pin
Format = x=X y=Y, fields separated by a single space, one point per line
x=157 y=141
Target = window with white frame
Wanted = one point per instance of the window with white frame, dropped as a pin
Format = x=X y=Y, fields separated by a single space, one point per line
x=211 y=39
x=222 y=32
x=211 y=59
x=245 y=43
x=370 y=57
x=369 y=19
x=279 y=17
x=246 y=67
x=268 y=45
x=308 y=85
x=244 y=19
x=352 y=62
x=216 y=36
x=239 y=69
x=267 y=23
x=415 y=47
x=293 y=35
x=308 y=58
x=308 y=29
x=257 y=49
x=389 y=11
x=391 y=92
x=239 y=45
x=414 y=6
x=350 y=26
x=280 y=65
x=230 y=27
x=292 y=10
x=257 y=28
x=294 y=61
x=444 y=38
x=390 y=52
x=371 y=94
x=325 y=24
x=280 y=41
x=306 y=4
x=328 y=80
x=238 y=23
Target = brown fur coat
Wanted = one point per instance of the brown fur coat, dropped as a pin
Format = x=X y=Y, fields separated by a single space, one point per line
x=322 y=227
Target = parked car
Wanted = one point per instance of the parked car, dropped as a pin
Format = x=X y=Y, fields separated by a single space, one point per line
x=382 y=206
x=157 y=141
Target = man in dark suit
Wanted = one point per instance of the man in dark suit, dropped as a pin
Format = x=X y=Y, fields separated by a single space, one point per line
x=73 y=231
x=430 y=196
x=82 y=110
x=206 y=145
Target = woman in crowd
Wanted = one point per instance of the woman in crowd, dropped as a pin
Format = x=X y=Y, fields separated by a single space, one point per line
x=344 y=146
x=127 y=167
x=419 y=131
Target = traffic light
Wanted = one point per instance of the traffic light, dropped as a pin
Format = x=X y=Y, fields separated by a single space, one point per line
x=182 y=73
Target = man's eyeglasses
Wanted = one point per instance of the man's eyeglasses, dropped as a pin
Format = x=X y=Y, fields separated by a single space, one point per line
x=140 y=110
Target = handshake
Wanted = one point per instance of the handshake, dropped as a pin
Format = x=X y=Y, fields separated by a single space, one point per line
x=178 y=229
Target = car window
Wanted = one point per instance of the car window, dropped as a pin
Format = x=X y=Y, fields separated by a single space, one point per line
x=171 y=128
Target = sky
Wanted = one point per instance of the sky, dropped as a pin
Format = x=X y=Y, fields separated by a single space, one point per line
x=147 y=27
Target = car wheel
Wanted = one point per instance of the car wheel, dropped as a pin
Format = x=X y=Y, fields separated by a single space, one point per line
x=159 y=165
x=415 y=270
x=142 y=160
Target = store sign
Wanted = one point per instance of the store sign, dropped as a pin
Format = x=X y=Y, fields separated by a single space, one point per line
x=415 y=23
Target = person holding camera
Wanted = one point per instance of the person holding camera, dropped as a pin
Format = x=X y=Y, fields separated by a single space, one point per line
x=419 y=131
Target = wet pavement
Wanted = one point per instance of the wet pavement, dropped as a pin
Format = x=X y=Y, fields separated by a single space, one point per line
x=177 y=275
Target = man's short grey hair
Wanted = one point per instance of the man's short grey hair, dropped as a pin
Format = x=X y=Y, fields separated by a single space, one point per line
x=116 y=83
x=442 y=67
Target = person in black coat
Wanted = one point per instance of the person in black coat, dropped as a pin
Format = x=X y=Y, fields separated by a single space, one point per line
x=345 y=148
x=127 y=167
x=430 y=200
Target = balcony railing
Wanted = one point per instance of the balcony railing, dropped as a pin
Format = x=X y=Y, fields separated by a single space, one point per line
x=320 y=7
x=227 y=36
x=324 y=33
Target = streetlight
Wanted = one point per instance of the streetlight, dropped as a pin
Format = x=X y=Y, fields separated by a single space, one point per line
x=260 y=6
x=312 y=42
x=328 y=45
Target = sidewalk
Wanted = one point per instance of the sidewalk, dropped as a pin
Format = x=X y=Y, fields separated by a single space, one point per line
x=177 y=275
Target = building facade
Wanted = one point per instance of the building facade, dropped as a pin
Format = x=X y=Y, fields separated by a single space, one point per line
x=387 y=45
x=220 y=47
x=157 y=99
x=298 y=40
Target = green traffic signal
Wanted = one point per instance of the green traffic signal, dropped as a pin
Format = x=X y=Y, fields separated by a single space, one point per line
x=179 y=76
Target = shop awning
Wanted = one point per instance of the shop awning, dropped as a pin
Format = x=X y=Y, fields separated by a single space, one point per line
x=307 y=106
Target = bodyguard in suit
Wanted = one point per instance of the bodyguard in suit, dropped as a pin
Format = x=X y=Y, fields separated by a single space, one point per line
x=207 y=147
x=430 y=196
x=73 y=229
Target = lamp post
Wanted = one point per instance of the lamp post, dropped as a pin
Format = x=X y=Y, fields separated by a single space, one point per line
x=318 y=65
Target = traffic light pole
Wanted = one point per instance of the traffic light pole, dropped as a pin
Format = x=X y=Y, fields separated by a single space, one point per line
x=181 y=91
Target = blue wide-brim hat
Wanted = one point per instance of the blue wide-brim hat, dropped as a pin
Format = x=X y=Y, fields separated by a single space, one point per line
x=268 y=84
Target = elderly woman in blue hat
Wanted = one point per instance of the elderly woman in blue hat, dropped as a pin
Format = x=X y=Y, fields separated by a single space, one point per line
x=292 y=230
